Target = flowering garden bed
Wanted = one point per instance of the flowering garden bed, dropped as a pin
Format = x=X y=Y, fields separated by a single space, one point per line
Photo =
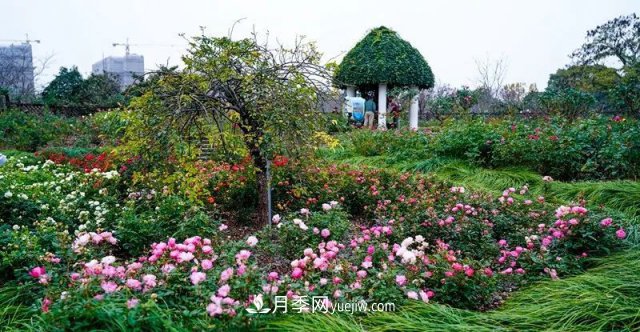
x=86 y=247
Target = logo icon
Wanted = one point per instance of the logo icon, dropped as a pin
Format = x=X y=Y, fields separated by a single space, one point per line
x=258 y=303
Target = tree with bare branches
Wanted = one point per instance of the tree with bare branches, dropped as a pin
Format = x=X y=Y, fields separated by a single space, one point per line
x=491 y=74
x=490 y=78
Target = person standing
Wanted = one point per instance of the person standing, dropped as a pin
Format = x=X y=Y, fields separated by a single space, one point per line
x=369 y=111
x=394 y=108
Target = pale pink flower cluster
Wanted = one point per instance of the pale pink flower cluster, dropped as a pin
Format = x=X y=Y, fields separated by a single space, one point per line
x=327 y=252
x=220 y=305
x=466 y=208
x=195 y=255
x=300 y=224
x=252 y=241
x=564 y=210
x=197 y=277
x=96 y=238
x=457 y=190
x=506 y=196
x=422 y=295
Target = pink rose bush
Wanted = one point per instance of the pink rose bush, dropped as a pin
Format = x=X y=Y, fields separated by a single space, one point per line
x=191 y=267
x=371 y=263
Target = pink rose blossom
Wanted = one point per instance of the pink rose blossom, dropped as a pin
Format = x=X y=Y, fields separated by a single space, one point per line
x=37 y=272
x=252 y=241
x=185 y=257
x=243 y=255
x=401 y=280
x=325 y=233
x=167 y=268
x=424 y=296
x=224 y=290
x=214 y=308
x=134 y=284
x=206 y=264
x=297 y=273
x=226 y=274
x=132 y=303
x=469 y=272
x=149 y=280
x=198 y=277
x=621 y=234
x=273 y=276
x=45 y=305
x=109 y=286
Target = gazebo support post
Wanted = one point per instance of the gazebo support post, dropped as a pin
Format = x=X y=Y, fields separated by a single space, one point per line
x=382 y=106
x=351 y=91
x=413 y=112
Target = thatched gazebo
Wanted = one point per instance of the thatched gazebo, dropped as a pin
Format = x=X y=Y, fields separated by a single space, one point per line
x=385 y=60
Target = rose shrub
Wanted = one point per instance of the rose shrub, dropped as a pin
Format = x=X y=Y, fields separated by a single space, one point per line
x=590 y=148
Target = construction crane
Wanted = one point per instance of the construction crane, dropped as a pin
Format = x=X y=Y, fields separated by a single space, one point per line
x=24 y=41
x=127 y=46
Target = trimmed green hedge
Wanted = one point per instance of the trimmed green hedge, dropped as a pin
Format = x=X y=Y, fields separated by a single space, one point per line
x=383 y=57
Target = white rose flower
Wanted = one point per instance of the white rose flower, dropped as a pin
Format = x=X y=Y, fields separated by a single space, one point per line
x=407 y=242
x=108 y=260
x=252 y=241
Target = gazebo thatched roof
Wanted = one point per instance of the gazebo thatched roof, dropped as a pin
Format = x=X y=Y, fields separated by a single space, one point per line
x=383 y=57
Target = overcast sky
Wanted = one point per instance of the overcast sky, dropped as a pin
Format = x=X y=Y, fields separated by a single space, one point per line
x=534 y=36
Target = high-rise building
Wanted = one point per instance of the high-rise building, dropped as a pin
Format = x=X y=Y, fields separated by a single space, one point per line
x=16 y=69
x=122 y=67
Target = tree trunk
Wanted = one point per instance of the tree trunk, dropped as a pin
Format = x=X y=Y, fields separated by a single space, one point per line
x=253 y=136
x=263 y=203
x=260 y=162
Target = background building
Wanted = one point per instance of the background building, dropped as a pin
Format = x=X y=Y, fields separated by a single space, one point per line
x=122 y=67
x=16 y=69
